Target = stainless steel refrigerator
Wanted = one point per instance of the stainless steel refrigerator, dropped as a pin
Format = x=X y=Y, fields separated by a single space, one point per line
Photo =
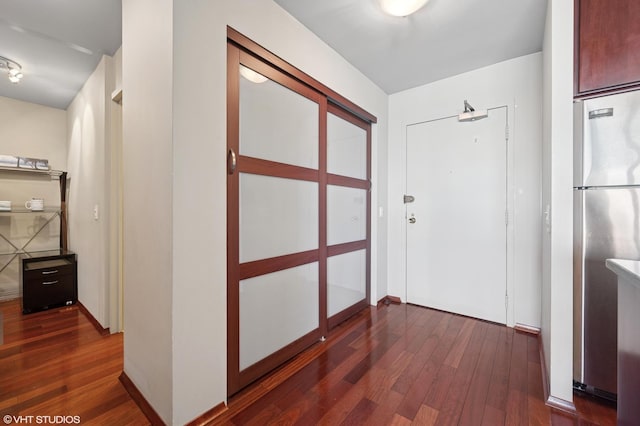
x=606 y=225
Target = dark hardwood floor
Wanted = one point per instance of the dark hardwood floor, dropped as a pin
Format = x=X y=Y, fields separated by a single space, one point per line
x=403 y=364
x=55 y=363
x=397 y=364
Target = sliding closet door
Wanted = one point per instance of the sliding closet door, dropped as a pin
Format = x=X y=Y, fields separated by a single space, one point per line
x=298 y=216
x=275 y=215
x=348 y=213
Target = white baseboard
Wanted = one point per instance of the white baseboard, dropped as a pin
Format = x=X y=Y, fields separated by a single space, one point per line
x=527 y=329
x=561 y=404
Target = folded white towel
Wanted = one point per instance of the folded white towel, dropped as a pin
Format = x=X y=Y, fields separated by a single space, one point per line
x=42 y=164
x=26 y=163
x=8 y=161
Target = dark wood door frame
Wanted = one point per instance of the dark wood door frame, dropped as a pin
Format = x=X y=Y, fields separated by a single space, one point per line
x=243 y=51
x=348 y=247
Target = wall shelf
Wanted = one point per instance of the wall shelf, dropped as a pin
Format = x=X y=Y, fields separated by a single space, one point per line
x=20 y=246
x=21 y=249
x=23 y=210
x=53 y=173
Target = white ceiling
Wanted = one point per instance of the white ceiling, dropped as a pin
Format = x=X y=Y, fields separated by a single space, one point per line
x=58 y=43
x=445 y=38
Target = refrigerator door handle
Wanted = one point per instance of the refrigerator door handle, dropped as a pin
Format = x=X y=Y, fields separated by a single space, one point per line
x=578 y=271
x=578 y=132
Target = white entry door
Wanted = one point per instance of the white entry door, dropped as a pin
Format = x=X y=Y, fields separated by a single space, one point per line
x=456 y=226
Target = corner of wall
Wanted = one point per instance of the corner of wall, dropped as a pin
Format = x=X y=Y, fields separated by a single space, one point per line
x=87 y=119
x=557 y=318
x=147 y=149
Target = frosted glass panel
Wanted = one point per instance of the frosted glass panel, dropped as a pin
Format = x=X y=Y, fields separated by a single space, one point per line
x=346 y=280
x=346 y=148
x=277 y=216
x=346 y=214
x=278 y=124
x=276 y=309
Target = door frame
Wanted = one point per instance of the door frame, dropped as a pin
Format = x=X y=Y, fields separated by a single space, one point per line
x=237 y=271
x=510 y=198
x=242 y=50
x=338 y=249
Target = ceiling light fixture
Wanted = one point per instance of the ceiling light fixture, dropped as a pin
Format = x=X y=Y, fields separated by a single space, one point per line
x=402 y=7
x=251 y=75
x=14 y=69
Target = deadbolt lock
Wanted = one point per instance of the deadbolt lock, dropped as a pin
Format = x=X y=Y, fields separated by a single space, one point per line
x=412 y=219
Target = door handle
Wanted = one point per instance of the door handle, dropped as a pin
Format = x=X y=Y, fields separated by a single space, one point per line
x=231 y=161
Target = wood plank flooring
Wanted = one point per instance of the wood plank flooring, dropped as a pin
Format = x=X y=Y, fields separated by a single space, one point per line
x=392 y=365
x=55 y=363
x=407 y=365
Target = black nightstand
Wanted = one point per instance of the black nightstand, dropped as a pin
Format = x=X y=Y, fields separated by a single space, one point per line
x=49 y=280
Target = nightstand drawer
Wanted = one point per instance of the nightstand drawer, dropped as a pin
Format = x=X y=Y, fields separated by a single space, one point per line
x=46 y=292
x=48 y=269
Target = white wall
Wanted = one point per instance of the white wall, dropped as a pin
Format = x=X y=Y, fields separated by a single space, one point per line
x=174 y=123
x=546 y=191
x=114 y=159
x=147 y=88
x=117 y=59
x=29 y=130
x=32 y=130
x=88 y=167
x=517 y=84
x=557 y=194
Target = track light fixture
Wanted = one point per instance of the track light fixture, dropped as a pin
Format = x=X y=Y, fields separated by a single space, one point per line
x=13 y=69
